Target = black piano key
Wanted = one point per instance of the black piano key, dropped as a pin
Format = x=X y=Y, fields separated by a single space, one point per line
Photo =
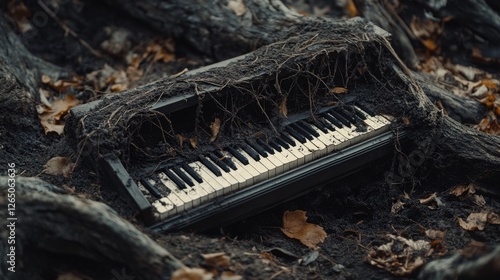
x=339 y=117
x=180 y=184
x=282 y=143
x=309 y=129
x=295 y=134
x=326 y=124
x=332 y=120
x=151 y=188
x=225 y=159
x=210 y=166
x=250 y=152
x=359 y=113
x=183 y=175
x=366 y=110
x=302 y=131
x=320 y=125
x=238 y=155
x=275 y=146
x=288 y=140
x=345 y=114
x=257 y=148
x=192 y=172
x=266 y=147
x=219 y=162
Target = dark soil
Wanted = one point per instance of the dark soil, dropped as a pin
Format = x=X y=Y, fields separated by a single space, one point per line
x=354 y=211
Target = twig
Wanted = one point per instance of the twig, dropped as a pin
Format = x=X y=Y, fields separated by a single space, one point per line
x=68 y=30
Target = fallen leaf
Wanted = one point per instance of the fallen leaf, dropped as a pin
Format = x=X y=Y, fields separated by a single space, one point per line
x=215 y=127
x=219 y=259
x=295 y=226
x=400 y=256
x=237 y=6
x=46 y=79
x=52 y=117
x=398 y=205
x=338 y=90
x=406 y=121
x=350 y=8
x=463 y=189
x=194 y=142
x=477 y=221
x=283 y=108
x=19 y=13
x=58 y=166
x=435 y=234
x=187 y=273
x=479 y=200
x=427 y=31
x=181 y=139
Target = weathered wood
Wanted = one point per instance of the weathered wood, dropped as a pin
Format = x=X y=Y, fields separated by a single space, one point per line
x=213 y=28
x=460 y=108
x=57 y=225
x=380 y=13
x=20 y=73
x=476 y=15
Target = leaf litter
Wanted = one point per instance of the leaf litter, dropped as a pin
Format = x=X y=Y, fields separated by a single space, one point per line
x=295 y=226
x=59 y=166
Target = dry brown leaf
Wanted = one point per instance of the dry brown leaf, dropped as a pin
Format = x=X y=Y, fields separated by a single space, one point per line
x=215 y=127
x=19 y=13
x=229 y=275
x=493 y=218
x=435 y=234
x=194 y=142
x=427 y=31
x=477 y=221
x=187 y=273
x=237 y=6
x=351 y=9
x=405 y=120
x=283 y=108
x=181 y=139
x=219 y=259
x=295 y=226
x=46 y=79
x=338 y=90
x=58 y=166
x=463 y=189
x=428 y=199
x=400 y=256
x=398 y=205
x=479 y=200
x=52 y=117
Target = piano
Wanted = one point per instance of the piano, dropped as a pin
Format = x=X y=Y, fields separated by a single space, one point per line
x=258 y=158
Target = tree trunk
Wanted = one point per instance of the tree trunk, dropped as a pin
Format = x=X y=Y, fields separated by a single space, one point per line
x=56 y=230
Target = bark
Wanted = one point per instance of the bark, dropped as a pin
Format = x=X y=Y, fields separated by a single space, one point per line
x=20 y=73
x=55 y=228
x=383 y=15
x=213 y=28
x=476 y=15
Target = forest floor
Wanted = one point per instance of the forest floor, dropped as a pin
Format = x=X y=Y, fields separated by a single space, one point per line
x=359 y=213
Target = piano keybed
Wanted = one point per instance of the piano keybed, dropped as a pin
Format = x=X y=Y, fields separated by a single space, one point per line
x=178 y=189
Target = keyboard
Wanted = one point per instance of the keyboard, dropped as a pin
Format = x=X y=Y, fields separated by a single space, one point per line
x=237 y=181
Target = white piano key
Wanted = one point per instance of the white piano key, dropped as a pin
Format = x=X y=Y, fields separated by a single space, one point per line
x=195 y=196
x=277 y=162
x=164 y=208
x=219 y=184
x=261 y=169
x=234 y=181
x=181 y=194
x=206 y=191
x=179 y=205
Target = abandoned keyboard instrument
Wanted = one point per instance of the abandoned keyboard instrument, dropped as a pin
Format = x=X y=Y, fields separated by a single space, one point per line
x=219 y=157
